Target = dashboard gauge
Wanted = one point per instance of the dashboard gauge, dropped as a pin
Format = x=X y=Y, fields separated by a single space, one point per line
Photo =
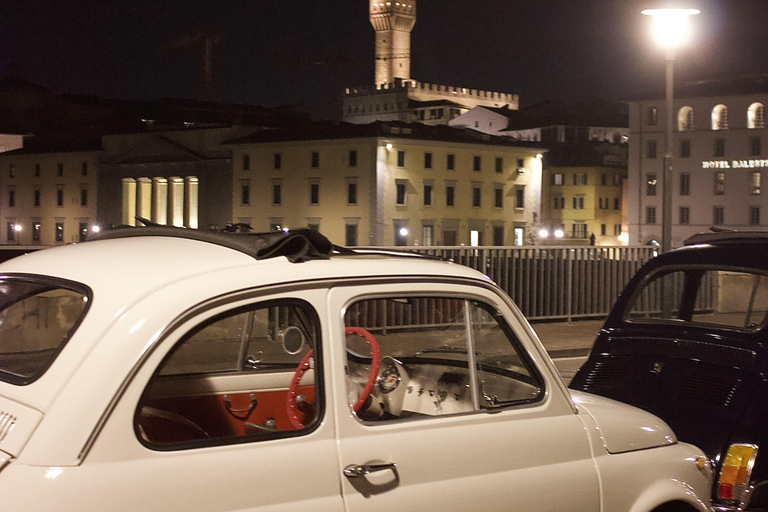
x=389 y=378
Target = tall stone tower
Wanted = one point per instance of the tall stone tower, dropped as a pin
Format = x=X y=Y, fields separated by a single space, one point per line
x=393 y=22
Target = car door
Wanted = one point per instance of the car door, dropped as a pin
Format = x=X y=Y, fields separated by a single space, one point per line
x=228 y=412
x=445 y=427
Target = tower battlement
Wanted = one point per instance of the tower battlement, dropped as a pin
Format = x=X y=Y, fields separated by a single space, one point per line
x=393 y=22
x=426 y=92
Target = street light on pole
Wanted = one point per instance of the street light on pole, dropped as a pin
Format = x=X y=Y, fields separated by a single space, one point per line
x=670 y=30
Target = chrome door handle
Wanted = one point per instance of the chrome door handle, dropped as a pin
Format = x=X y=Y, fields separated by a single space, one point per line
x=358 y=470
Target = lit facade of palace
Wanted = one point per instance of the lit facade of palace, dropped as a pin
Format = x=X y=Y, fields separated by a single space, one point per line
x=719 y=160
x=394 y=96
x=389 y=184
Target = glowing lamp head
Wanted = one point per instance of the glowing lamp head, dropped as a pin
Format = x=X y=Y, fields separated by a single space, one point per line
x=559 y=233
x=403 y=231
x=17 y=227
x=95 y=229
x=671 y=25
x=543 y=233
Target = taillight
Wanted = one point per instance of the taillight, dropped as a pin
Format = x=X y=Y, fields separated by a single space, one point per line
x=733 y=482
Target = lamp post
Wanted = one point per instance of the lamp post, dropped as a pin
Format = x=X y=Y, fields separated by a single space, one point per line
x=670 y=30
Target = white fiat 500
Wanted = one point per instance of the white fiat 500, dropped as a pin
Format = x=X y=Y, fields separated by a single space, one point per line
x=167 y=369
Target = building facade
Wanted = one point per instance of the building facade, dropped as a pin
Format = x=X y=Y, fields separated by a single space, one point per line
x=719 y=160
x=388 y=184
x=48 y=198
x=582 y=201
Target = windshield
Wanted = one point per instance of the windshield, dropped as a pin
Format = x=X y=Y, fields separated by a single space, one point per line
x=37 y=317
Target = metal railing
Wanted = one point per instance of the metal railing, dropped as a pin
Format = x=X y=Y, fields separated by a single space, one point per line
x=552 y=282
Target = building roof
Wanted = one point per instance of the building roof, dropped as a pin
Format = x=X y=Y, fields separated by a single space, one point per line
x=739 y=85
x=572 y=112
x=384 y=129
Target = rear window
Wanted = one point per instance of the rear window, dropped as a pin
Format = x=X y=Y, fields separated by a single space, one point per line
x=723 y=297
x=37 y=317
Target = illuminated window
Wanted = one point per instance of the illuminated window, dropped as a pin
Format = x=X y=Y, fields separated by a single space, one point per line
x=556 y=179
x=685 y=119
x=59 y=236
x=36 y=230
x=650 y=184
x=720 y=117
x=755 y=183
x=756 y=116
x=719 y=183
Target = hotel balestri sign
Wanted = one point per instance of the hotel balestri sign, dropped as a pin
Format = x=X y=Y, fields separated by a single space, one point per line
x=734 y=164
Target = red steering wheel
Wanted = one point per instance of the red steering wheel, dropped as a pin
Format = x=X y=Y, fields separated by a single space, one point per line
x=304 y=365
x=375 y=360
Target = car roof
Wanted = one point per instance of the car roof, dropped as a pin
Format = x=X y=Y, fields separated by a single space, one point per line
x=143 y=259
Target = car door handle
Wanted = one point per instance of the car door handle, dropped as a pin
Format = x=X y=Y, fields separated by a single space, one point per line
x=358 y=470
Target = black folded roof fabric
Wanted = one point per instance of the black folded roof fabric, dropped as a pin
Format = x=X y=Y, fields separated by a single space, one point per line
x=297 y=245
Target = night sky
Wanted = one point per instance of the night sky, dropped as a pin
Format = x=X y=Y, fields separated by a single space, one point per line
x=299 y=52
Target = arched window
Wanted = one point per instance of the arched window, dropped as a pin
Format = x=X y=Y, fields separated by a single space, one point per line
x=720 y=117
x=756 y=116
x=685 y=119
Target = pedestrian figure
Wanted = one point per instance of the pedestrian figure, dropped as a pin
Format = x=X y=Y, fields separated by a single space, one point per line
x=592 y=239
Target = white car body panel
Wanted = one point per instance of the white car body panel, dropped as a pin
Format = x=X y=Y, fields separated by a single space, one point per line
x=80 y=449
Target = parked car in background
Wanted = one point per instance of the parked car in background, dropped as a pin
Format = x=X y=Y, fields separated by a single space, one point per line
x=688 y=341
x=171 y=369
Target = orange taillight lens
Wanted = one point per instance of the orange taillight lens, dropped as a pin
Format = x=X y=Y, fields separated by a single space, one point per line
x=733 y=482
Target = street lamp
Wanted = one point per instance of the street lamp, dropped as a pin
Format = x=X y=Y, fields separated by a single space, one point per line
x=670 y=31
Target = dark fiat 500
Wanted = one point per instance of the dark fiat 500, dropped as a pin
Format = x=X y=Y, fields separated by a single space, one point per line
x=687 y=341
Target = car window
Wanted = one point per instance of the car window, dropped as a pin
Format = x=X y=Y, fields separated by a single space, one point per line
x=247 y=375
x=723 y=297
x=410 y=357
x=37 y=318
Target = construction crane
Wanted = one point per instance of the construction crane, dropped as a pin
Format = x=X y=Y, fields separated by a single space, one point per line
x=204 y=40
